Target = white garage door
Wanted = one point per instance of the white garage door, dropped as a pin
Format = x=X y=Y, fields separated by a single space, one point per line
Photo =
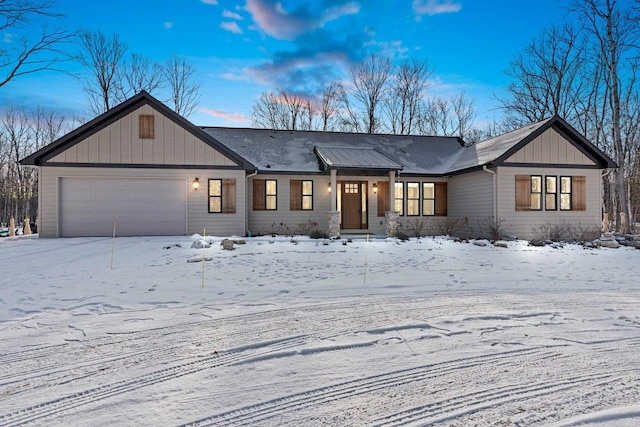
x=138 y=206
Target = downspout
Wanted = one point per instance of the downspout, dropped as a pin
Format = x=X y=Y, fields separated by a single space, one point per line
x=495 y=192
x=246 y=202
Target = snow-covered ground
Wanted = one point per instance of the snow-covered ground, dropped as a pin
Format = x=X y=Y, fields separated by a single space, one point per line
x=302 y=333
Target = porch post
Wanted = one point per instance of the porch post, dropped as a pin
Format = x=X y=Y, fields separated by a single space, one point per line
x=392 y=191
x=334 y=215
x=334 y=191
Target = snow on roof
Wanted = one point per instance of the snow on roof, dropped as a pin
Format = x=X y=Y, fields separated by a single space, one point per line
x=293 y=151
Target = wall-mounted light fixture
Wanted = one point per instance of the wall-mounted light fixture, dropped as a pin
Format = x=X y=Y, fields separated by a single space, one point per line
x=329 y=187
x=375 y=188
x=196 y=184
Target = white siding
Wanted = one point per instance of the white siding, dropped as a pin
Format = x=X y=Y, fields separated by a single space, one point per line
x=119 y=143
x=263 y=222
x=198 y=217
x=550 y=148
x=471 y=196
x=524 y=223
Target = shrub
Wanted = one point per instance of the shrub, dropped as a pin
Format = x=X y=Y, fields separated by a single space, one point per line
x=491 y=229
x=305 y=228
x=566 y=232
x=416 y=226
x=452 y=227
x=317 y=234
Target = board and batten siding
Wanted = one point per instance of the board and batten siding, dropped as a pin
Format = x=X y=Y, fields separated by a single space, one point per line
x=119 y=143
x=550 y=148
x=524 y=224
x=471 y=196
x=198 y=216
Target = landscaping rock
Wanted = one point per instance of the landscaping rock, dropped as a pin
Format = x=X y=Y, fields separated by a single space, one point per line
x=500 y=244
x=227 y=245
x=480 y=243
x=608 y=240
x=537 y=242
x=200 y=244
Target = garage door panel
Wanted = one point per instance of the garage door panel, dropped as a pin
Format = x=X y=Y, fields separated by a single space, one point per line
x=140 y=206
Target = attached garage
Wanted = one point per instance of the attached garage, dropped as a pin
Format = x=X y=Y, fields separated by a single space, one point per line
x=89 y=206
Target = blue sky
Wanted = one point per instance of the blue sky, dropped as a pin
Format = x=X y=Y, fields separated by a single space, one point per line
x=242 y=48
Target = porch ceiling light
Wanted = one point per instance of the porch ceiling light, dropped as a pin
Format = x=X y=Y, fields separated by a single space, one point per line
x=196 y=184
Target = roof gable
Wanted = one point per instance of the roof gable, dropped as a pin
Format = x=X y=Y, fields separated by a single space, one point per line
x=498 y=150
x=144 y=103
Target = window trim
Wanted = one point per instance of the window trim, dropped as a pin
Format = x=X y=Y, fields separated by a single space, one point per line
x=267 y=195
x=433 y=199
x=418 y=199
x=539 y=193
x=570 y=193
x=216 y=196
x=555 y=193
x=303 y=195
x=396 y=198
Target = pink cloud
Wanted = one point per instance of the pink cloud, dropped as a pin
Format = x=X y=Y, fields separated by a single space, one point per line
x=435 y=7
x=230 y=117
x=286 y=25
x=232 y=27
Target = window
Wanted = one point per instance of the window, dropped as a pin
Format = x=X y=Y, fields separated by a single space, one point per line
x=551 y=193
x=428 y=198
x=565 y=193
x=536 y=193
x=413 y=198
x=222 y=196
x=145 y=126
x=271 y=195
x=301 y=195
x=399 y=198
x=570 y=193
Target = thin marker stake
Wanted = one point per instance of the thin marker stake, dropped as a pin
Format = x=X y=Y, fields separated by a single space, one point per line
x=364 y=280
x=204 y=236
x=113 y=243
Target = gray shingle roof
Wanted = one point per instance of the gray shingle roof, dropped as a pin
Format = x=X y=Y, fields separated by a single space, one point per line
x=293 y=151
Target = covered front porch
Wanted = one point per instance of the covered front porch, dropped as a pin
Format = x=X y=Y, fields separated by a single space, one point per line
x=362 y=186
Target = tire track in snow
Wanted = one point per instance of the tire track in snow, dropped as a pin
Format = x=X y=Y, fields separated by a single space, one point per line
x=264 y=410
x=472 y=402
x=46 y=409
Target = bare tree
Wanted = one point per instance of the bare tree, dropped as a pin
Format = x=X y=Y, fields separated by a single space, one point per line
x=452 y=117
x=616 y=34
x=547 y=78
x=137 y=74
x=284 y=110
x=406 y=96
x=184 y=89
x=329 y=106
x=21 y=133
x=370 y=81
x=102 y=56
x=29 y=51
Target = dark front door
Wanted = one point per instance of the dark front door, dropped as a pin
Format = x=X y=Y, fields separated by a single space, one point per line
x=352 y=200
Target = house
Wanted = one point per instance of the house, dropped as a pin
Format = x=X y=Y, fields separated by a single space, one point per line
x=144 y=170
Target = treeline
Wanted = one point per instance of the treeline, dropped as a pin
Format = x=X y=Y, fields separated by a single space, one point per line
x=586 y=71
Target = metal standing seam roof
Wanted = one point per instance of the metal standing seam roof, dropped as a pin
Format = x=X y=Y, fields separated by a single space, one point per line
x=356 y=158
